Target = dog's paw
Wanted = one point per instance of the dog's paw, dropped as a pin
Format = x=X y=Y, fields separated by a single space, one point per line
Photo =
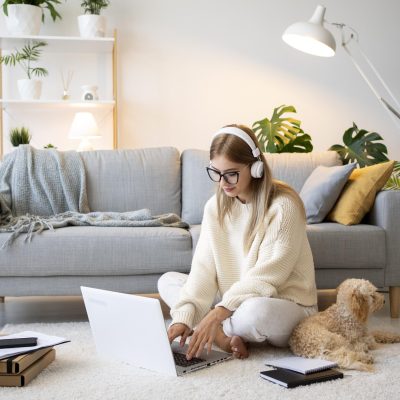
x=367 y=358
x=366 y=367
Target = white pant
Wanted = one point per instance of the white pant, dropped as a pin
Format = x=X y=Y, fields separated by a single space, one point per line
x=257 y=319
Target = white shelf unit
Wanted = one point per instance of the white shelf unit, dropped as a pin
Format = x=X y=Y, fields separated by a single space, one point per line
x=55 y=104
x=62 y=45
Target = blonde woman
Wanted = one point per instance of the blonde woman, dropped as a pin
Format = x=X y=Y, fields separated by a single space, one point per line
x=252 y=275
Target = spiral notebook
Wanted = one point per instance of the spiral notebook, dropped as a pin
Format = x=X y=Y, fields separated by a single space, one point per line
x=301 y=364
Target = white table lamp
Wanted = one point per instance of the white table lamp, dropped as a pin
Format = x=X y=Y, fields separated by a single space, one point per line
x=313 y=38
x=84 y=127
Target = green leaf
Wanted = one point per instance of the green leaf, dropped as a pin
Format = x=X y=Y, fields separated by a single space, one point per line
x=30 y=52
x=360 y=146
x=39 y=72
x=282 y=134
x=393 y=182
x=19 y=136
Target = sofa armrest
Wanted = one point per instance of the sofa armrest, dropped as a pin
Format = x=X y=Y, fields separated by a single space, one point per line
x=386 y=214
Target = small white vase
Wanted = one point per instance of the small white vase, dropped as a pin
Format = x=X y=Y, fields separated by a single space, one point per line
x=91 y=25
x=23 y=19
x=29 y=89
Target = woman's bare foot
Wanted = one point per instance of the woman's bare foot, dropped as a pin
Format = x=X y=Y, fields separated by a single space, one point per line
x=234 y=344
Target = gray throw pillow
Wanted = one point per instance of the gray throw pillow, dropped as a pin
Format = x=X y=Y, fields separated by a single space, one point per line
x=321 y=190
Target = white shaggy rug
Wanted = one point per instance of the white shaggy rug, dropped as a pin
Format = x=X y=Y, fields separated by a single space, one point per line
x=77 y=373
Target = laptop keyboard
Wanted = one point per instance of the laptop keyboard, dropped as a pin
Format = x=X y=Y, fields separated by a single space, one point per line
x=180 y=359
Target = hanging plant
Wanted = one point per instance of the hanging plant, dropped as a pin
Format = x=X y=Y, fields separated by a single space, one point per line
x=282 y=134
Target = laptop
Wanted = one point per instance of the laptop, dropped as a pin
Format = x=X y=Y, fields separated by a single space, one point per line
x=131 y=329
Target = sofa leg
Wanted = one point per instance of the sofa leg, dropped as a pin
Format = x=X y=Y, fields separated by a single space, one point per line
x=394 y=298
x=2 y=299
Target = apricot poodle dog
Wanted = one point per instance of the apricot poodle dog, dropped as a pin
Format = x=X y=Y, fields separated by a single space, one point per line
x=340 y=332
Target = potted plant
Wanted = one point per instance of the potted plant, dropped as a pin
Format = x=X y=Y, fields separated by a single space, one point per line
x=361 y=146
x=29 y=89
x=91 y=23
x=24 y=17
x=20 y=136
x=282 y=134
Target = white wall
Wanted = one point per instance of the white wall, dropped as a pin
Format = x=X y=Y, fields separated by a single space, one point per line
x=188 y=67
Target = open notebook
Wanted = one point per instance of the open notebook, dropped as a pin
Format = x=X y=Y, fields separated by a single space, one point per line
x=301 y=364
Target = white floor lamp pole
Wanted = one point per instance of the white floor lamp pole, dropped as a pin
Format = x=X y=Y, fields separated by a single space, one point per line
x=393 y=112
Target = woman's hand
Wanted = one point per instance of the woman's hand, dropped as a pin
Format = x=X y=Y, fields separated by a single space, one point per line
x=181 y=330
x=206 y=331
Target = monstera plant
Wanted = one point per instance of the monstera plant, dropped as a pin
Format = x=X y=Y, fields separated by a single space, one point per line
x=282 y=134
x=361 y=146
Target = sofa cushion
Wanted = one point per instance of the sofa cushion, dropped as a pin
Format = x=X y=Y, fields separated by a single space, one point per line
x=321 y=190
x=197 y=188
x=89 y=250
x=295 y=168
x=358 y=195
x=127 y=180
x=336 y=246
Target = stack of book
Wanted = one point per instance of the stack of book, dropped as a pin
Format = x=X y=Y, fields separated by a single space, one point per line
x=24 y=355
x=20 y=369
x=295 y=371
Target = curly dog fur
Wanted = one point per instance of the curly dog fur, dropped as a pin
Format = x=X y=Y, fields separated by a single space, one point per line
x=340 y=332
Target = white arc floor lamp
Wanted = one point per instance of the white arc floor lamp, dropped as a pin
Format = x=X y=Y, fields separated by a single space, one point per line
x=313 y=38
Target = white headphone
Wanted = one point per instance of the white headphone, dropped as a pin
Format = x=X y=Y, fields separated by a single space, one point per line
x=257 y=168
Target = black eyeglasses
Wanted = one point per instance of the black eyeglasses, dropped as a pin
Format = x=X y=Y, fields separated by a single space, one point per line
x=229 y=177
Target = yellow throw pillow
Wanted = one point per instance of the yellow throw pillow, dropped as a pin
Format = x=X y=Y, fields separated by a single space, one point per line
x=359 y=193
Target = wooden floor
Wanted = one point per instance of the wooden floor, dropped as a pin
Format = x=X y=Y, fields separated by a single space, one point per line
x=20 y=310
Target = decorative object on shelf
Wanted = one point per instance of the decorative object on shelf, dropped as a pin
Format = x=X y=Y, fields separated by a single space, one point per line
x=24 y=17
x=282 y=135
x=359 y=146
x=66 y=81
x=84 y=127
x=20 y=136
x=89 y=93
x=91 y=23
x=313 y=38
x=50 y=146
x=29 y=89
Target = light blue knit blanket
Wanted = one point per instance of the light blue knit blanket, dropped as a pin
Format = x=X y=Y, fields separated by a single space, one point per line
x=46 y=189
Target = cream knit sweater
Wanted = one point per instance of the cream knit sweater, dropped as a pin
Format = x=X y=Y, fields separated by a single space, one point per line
x=279 y=263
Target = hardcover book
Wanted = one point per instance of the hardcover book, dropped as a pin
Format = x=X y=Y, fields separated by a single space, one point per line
x=291 y=379
x=16 y=364
x=23 y=378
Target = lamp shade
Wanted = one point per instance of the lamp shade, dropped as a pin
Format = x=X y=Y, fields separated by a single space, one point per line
x=83 y=125
x=311 y=37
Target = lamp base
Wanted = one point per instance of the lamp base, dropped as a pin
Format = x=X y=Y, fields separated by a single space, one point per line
x=85 y=145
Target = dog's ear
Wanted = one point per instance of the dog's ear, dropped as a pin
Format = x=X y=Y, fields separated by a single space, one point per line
x=359 y=305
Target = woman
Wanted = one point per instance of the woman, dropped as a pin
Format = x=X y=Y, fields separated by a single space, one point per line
x=253 y=256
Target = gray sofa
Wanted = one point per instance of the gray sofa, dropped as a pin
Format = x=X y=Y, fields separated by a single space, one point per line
x=163 y=180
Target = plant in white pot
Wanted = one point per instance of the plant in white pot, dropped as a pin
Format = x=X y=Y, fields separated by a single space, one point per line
x=20 y=136
x=29 y=89
x=91 y=23
x=24 y=17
